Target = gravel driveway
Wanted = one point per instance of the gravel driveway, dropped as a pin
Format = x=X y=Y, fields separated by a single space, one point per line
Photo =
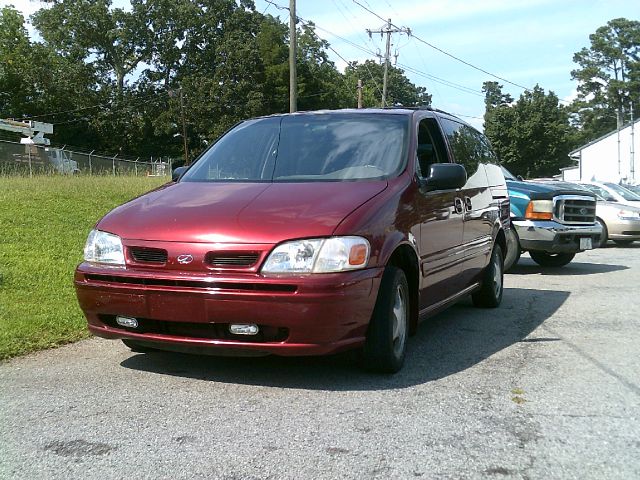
x=546 y=386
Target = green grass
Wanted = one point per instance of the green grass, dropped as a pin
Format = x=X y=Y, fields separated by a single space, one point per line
x=44 y=222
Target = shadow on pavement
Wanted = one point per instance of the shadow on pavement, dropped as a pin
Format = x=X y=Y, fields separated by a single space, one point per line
x=526 y=266
x=451 y=342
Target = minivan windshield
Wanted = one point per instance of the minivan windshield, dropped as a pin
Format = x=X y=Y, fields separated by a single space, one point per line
x=306 y=148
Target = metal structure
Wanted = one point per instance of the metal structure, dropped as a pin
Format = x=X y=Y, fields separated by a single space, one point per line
x=34 y=131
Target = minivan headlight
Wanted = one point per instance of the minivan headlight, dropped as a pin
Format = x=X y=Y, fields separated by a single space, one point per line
x=103 y=247
x=319 y=255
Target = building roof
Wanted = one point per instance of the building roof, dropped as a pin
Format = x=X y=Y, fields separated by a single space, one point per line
x=603 y=137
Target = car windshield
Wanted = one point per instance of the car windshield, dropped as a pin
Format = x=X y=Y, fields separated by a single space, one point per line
x=507 y=174
x=623 y=192
x=306 y=148
x=601 y=192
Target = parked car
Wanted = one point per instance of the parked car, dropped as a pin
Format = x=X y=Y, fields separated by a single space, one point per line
x=304 y=234
x=612 y=192
x=620 y=223
x=551 y=220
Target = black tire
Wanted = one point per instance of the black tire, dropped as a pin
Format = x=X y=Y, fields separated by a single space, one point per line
x=546 y=259
x=136 y=347
x=386 y=344
x=602 y=240
x=490 y=293
x=513 y=249
x=623 y=243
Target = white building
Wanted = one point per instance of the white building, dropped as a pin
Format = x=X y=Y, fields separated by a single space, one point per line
x=608 y=159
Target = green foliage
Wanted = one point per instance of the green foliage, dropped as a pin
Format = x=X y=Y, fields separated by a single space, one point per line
x=39 y=249
x=113 y=77
x=532 y=136
x=400 y=91
x=609 y=78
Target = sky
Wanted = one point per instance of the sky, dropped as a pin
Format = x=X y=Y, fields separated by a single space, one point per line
x=526 y=42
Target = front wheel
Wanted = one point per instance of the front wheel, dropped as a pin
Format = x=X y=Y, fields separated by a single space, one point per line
x=602 y=239
x=513 y=252
x=490 y=293
x=545 y=259
x=386 y=342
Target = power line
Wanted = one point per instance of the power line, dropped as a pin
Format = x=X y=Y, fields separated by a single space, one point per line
x=447 y=53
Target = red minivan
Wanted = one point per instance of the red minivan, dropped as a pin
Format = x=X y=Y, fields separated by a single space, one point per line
x=304 y=234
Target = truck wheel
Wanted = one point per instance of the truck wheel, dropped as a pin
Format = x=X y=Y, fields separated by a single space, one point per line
x=386 y=343
x=136 y=347
x=602 y=240
x=513 y=249
x=545 y=259
x=490 y=293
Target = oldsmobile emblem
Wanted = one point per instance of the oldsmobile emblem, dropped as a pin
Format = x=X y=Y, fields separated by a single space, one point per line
x=185 y=259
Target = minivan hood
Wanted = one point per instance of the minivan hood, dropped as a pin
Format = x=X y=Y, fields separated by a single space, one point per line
x=212 y=212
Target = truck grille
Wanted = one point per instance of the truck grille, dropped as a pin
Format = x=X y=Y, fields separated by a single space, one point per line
x=575 y=209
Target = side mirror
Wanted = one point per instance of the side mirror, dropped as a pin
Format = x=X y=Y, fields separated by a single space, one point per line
x=445 y=176
x=177 y=173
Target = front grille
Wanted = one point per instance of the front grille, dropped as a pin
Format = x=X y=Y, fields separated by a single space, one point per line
x=148 y=255
x=574 y=209
x=231 y=259
x=211 y=331
x=196 y=284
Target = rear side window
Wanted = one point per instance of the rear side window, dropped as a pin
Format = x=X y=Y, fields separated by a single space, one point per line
x=470 y=149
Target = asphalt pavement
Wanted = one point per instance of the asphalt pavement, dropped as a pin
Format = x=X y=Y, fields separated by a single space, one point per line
x=546 y=386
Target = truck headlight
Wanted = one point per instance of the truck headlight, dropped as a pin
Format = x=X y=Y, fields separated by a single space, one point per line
x=103 y=247
x=539 y=210
x=319 y=255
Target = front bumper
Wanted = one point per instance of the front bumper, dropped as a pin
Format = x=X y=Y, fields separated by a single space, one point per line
x=554 y=237
x=624 y=229
x=301 y=315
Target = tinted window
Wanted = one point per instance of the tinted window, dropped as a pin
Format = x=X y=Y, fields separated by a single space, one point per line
x=301 y=148
x=469 y=147
x=430 y=148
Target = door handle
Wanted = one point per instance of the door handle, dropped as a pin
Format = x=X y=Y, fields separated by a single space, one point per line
x=467 y=204
x=458 y=205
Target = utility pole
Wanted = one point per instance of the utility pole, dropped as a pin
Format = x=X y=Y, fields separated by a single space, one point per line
x=388 y=30
x=293 y=86
x=359 y=93
x=633 y=147
x=184 y=129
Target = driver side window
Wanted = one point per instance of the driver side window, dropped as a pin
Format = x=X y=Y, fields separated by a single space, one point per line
x=431 y=148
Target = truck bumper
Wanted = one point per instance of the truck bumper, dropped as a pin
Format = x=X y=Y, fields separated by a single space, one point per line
x=554 y=237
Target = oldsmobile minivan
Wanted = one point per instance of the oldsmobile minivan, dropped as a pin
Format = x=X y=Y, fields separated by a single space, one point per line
x=304 y=234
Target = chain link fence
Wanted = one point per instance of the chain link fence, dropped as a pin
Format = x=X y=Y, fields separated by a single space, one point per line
x=20 y=159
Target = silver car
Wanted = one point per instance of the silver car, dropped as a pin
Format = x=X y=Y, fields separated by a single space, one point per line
x=618 y=217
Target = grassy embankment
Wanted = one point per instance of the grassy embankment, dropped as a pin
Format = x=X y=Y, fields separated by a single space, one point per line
x=44 y=222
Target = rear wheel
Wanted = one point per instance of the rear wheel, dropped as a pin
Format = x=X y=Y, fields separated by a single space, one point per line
x=136 y=347
x=386 y=342
x=545 y=259
x=490 y=293
x=623 y=243
x=602 y=240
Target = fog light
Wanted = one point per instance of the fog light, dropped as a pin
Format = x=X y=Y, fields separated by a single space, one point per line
x=243 y=329
x=127 y=322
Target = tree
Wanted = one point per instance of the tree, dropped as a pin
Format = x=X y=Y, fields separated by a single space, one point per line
x=400 y=90
x=92 y=31
x=609 y=78
x=532 y=136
